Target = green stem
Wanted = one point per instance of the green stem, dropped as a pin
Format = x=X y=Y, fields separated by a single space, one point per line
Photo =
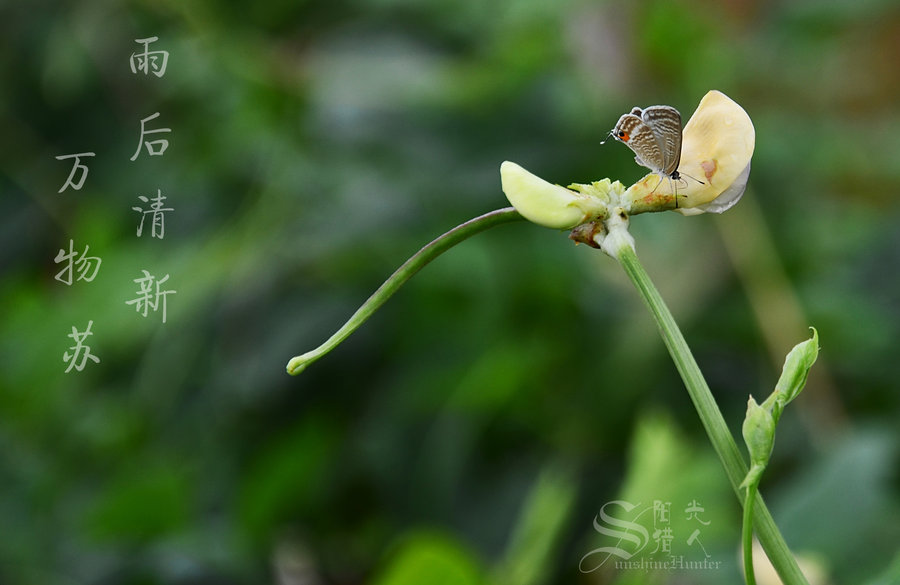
x=434 y=249
x=747 y=534
x=716 y=428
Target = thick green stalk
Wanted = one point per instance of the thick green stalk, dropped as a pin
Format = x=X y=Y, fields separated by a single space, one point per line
x=716 y=428
x=434 y=249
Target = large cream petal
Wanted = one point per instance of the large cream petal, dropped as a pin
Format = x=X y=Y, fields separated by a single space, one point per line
x=716 y=148
x=544 y=203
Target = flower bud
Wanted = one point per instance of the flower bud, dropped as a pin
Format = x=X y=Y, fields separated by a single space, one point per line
x=795 y=372
x=759 y=433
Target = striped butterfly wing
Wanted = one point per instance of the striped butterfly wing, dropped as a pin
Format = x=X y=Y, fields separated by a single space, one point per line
x=639 y=137
x=665 y=123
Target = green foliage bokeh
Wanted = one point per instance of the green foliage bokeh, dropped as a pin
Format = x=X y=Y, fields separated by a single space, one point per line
x=483 y=416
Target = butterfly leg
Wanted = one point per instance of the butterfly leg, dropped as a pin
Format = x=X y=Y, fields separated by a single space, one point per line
x=657 y=185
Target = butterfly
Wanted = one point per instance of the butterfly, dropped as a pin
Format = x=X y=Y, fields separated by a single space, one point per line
x=654 y=134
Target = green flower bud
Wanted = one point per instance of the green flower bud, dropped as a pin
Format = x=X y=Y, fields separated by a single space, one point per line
x=796 y=368
x=759 y=433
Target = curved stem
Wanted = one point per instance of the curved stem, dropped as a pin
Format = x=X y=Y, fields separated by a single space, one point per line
x=716 y=428
x=747 y=534
x=431 y=251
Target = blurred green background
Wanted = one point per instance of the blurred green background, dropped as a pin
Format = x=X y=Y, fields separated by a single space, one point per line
x=472 y=430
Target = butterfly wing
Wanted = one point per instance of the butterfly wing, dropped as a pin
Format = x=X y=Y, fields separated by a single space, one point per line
x=665 y=123
x=639 y=137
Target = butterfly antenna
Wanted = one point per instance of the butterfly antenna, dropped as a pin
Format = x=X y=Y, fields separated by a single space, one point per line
x=694 y=178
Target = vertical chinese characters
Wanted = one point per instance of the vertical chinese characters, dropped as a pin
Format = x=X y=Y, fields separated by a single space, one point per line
x=693 y=511
x=150 y=295
x=76 y=264
x=662 y=533
x=86 y=267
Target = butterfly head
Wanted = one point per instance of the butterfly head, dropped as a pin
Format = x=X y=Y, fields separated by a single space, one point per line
x=624 y=128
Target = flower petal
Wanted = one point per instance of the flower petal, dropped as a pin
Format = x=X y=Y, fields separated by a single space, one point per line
x=726 y=199
x=538 y=201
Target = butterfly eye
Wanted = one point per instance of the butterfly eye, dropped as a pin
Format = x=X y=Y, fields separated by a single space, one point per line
x=623 y=135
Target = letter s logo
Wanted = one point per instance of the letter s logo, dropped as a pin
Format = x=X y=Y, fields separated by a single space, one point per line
x=605 y=523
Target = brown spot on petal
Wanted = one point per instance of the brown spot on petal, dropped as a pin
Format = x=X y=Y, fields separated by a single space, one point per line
x=709 y=168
